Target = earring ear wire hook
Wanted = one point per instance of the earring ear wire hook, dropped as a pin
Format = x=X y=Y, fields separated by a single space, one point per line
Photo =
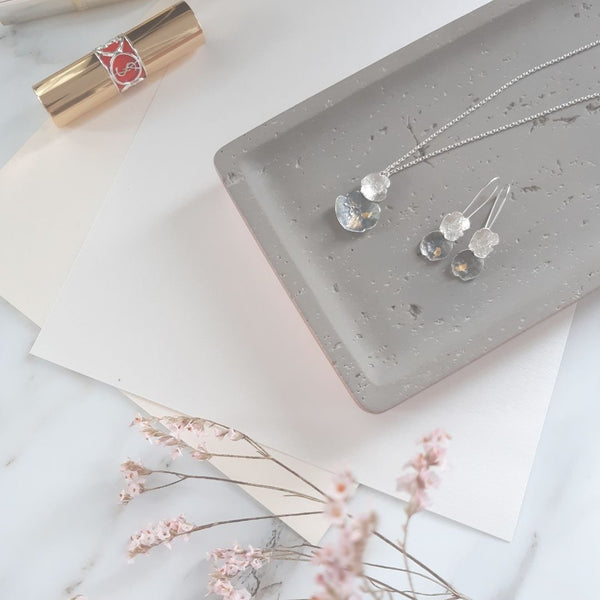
x=482 y=192
x=498 y=206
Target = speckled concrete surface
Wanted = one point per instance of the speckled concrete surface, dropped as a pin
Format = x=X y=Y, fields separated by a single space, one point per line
x=390 y=322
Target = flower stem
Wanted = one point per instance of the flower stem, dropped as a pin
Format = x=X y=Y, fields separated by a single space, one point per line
x=297 y=475
x=386 y=587
x=166 y=485
x=184 y=476
x=244 y=456
x=293 y=550
x=401 y=570
x=417 y=562
x=246 y=520
x=408 y=574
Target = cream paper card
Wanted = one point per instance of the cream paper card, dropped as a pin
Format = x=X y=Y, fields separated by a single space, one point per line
x=50 y=192
x=172 y=300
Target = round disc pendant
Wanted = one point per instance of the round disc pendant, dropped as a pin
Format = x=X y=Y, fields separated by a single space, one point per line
x=434 y=246
x=466 y=265
x=355 y=213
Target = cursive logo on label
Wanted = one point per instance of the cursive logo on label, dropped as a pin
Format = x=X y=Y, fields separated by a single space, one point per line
x=122 y=62
x=130 y=66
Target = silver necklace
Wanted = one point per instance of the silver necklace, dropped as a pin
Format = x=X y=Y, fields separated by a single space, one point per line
x=359 y=211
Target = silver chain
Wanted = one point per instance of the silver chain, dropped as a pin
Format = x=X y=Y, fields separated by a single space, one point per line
x=400 y=164
x=480 y=136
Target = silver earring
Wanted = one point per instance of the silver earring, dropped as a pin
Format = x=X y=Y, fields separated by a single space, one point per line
x=437 y=245
x=469 y=263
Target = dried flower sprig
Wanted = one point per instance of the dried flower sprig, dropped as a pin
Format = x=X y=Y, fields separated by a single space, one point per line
x=201 y=429
x=341 y=561
x=343 y=573
x=422 y=475
x=423 y=471
x=228 y=563
x=137 y=486
x=135 y=477
x=164 y=532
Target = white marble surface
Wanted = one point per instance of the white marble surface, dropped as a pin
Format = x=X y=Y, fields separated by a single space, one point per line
x=62 y=438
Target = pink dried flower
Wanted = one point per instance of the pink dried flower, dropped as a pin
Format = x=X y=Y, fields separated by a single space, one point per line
x=434 y=446
x=343 y=486
x=221 y=433
x=342 y=561
x=135 y=488
x=164 y=532
x=175 y=426
x=421 y=477
x=132 y=469
x=201 y=454
x=135 y=475
x=335 y=511
x=179 y=425
x=230 y=562
x=340 y=491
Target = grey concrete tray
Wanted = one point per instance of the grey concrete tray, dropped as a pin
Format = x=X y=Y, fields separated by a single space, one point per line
x=390 y=322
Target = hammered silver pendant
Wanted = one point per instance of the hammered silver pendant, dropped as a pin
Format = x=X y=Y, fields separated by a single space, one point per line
x=466 y=265
x=359 y=211
x=355 y=213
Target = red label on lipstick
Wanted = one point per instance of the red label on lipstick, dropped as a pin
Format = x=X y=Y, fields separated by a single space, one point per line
x=122 y=62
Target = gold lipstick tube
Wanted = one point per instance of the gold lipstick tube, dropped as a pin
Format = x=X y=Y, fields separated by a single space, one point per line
x=120 y=64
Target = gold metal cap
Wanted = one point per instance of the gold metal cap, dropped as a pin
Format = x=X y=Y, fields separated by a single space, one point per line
x=120 y=64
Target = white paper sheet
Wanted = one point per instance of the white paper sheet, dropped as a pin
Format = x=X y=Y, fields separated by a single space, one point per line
x=170 y=271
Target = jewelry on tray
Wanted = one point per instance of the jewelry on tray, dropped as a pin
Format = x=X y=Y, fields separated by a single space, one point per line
x=469 y=263
x=438 y=244
x=358 y=211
